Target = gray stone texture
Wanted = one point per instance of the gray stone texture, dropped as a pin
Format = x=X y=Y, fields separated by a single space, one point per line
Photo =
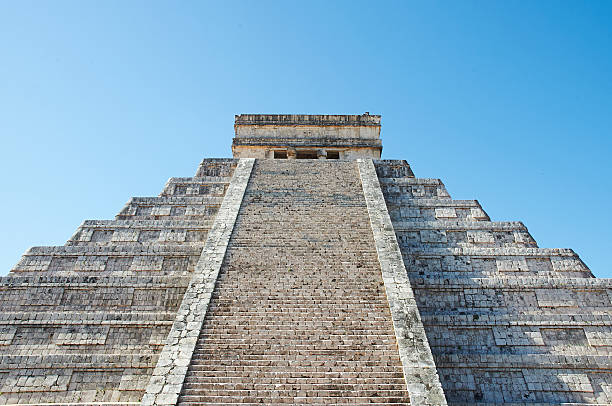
x=167 y=380
x=304 y=281
x=85 y=322
x=299 y=314
x=507 y=322
x=419 y=369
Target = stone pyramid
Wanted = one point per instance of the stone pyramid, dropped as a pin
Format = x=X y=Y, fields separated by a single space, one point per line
x=305 y=270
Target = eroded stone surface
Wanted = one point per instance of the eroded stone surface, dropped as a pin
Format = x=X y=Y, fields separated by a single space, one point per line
x=296 y=136
x=325 y=296
x=169 y=374
x=85 y=322
x=507 y=322
x=418 y=364
x=299 y=315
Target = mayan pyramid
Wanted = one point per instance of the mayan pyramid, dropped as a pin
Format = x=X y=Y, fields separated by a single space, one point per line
x=305 y=270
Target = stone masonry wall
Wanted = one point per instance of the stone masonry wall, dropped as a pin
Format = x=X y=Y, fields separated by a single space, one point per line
x=507 y=322
x=301 y=312
x=85 y=322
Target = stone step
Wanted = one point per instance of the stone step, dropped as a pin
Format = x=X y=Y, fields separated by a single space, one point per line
x=423 y=210
x=496 y=253
x=68 y=361
x=146 y=224
x=393 y=168
x=523 y=283
x=84 y=281
x=140 y=231
x=247 y=375
x=170 y=207
x=584 y=362
x=509 y=319
x=206 y=186
x=300 y=295
x=294 y=395
x=119 y=259
x=416 y=224
x=442 y=204
x=208 y=388
x=63 y=250
x=158 y=201
x=386 y=182
x=57 y=294
x=220 y=167
x=293 y=400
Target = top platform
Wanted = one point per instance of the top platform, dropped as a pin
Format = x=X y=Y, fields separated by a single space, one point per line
x=307 y=136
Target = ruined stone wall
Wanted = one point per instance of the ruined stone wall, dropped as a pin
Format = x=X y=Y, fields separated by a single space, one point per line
x=85 y=322
x=507 y=322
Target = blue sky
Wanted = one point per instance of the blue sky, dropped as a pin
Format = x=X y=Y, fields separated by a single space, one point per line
x=506 y=102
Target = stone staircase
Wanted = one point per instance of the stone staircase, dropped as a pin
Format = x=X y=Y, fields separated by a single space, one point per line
x=299 y=313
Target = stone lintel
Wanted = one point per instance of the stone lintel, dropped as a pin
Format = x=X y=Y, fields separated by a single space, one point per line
x=308 y=119
x=167 y=379
x=309 y=143
x=420 y=373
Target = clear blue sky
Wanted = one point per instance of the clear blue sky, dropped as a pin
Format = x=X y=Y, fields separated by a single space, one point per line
x=506 y=102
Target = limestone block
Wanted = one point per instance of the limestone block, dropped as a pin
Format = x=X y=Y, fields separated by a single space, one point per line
x=409 y=212
x=147 y=263
x=501 y=386
x=599 y=336
x=476 y=298
x=564 y=336
x=418 y=191
x=161 y=211
x=567 y=264
x=119 y=264
x=539 y=265
x=87 y=263
x=477 y=213
x=517 y=336
x=445 y=212
x=480 y=237
x=149 y=236
x=433 y=236
x=442 y=192
x=33 y=263
x=556 y=298
x=62 y=263
x=83 y=234
x=456 y=263
x=512 y=264
x=6 y=334
x=173 y=235
x=523 y=237
x=81 y=335
x=102 y=235
x=125 y=235
x=575 y=382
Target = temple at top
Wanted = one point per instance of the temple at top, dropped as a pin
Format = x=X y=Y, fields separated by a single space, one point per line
x=305 y=136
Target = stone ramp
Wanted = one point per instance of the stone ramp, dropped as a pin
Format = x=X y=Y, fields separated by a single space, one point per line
x=299 y=314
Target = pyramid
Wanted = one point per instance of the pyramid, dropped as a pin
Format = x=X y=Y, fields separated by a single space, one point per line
x=304 y=270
